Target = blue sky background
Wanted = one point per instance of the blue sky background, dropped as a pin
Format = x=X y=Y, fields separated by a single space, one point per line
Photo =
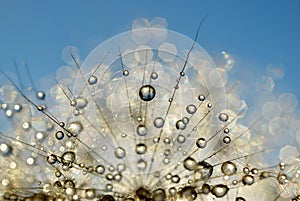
x=257 y=33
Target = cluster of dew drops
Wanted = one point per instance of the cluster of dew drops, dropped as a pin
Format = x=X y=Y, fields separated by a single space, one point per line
x=148 y=115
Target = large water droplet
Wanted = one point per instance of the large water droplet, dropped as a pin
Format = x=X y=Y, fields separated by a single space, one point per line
x=228 y=168
x=147 y=92
x=68 y=158
x=203 y=171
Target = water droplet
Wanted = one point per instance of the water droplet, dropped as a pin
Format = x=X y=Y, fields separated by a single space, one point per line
x=228 y=168
x=180 y=125
x=141 y=164
x=181 y=139
x=81 y=102
x=125 y=72
x=191 y=109
x=282 y=178
x=68 y=158
x=59 y=135
x=175 y=179
x=189 y=163
x=100 y=169
x=154 y=75
x=147 y=92
x=226 y=130
x=141 y=130
x=93 y=80
x=203 y=171
x=201 y=97
x=90 y=193
x=185 y=120
x=52 y=159
x=219 y=190
x=223 y=117
x=240 y=199
x=248 y=179
x=120 y=152
x=226 y=139
x=201 y=143
x=121 y=167
x=17 y=107
x=75 y=128
x=40 y=95
x=5 y=149
x=159 y=122
x=182 y=74
x=141 y=148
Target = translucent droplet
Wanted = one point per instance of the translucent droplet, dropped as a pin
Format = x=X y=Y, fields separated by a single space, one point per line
x=17 y=107
x=175 y=179
x=223 y=117
x=40 y=95
x=120 y=152
x=147 y=92
x=75 y=128
x=203 y=171
x=141 y=148
x=191 y=109
x=181 y=139
x=141 y=164
x=125 y=72
x=90 y=193
x=59 y=135
x=219 y=190
x=248 y=180
x=240 y=199
x=68 y=157
x=93 y=80
x=154 y=75
x=189 y=163
x=185 y=120
x=201 y=143
x=201 y=97
x=5 y=149
x=52 y=159
x=180 y=125
x=282 y=178
x=226 y=139
x=81 y=102
x=100 y=169
x=141 y=130
x=228 y=168
x=159 y=122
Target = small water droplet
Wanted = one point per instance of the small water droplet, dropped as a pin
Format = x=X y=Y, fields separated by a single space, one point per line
x=154 y=75
x=219 y=190
x=223 y=117
x=125 y=72
x=120 y=152
x=158 y=122
x=141 y=130
x=191 y=109
x=93 y=80
x=141 y=148
x=201 y=143
x=201 y=97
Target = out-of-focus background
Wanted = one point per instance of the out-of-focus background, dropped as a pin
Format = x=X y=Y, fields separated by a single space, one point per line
x=262 y=36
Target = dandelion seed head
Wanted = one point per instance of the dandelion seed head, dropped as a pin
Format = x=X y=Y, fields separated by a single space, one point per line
x=148 y=115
